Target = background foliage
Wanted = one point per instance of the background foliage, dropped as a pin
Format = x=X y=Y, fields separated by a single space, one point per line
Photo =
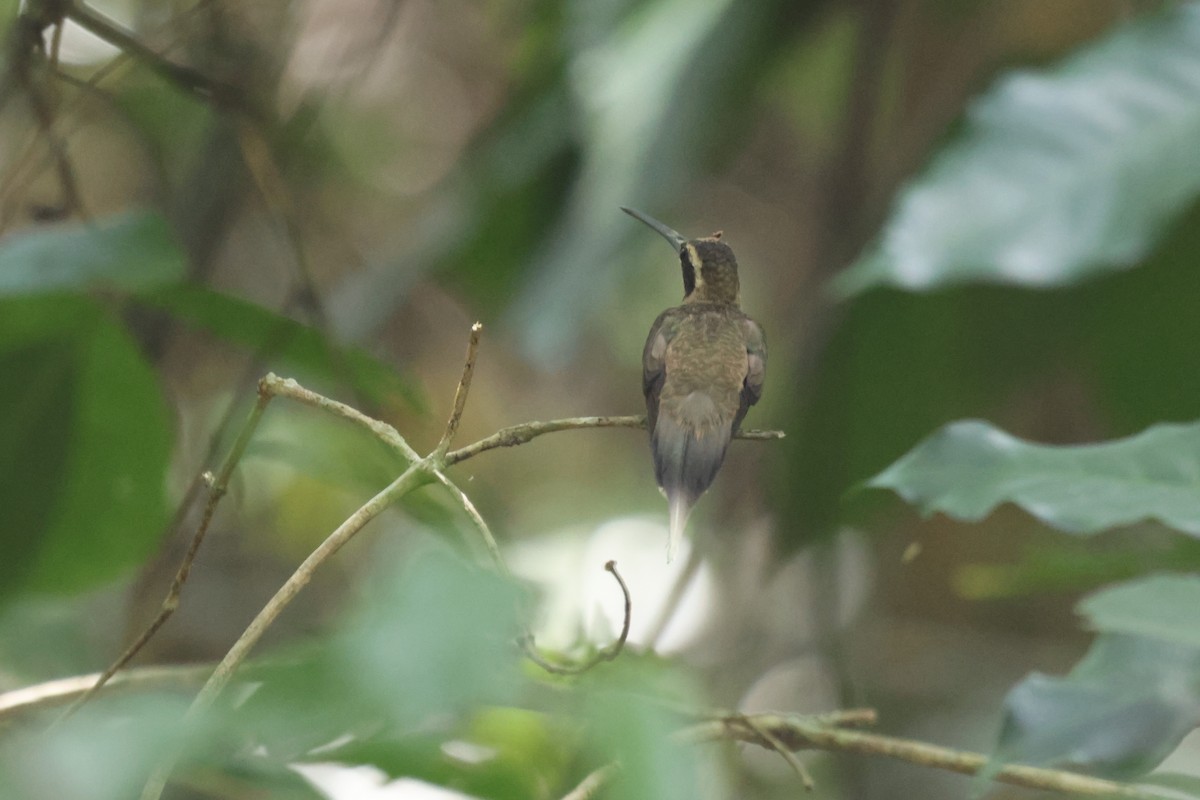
x=970 y=230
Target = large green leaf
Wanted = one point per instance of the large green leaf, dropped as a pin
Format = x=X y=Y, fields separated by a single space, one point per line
x=901 y=364
x=1131 y=699
x=1165 y=607
x=1119 y=712
x=283 y=343
x=84 y=443
x=128 y=252
x=1056 y=175
x=968 y=468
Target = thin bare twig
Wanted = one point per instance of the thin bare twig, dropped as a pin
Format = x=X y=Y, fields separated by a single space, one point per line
x=799 y=733
x=520 y=434
x=460 y=394
x=605 y=654
x=287 y=387
x=773 y=742
x=590 y=786
x=56 y=693
x=481 y=525
x=217 y=488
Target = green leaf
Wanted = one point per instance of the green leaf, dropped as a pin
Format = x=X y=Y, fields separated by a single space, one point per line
x=638 y=734
x=1165 y=607
x=983 y=351
x=84 y=445
x=1062 y=564
x=1119 y=713
x=1057 y=175
x=968 y=468
x=130 y=252
x=284 y=341
x=442 y=630
x=110 y=746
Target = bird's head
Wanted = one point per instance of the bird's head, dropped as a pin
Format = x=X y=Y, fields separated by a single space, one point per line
x=710 y=272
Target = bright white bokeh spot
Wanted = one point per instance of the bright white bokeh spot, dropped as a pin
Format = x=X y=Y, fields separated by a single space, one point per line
x=83 y=48
x=468 y=752
x=582 y=599
x=361 y=782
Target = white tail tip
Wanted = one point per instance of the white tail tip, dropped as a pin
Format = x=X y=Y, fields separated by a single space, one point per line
x=679 y=513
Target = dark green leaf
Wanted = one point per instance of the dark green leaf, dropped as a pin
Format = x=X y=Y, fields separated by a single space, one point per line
x=285 y=342
x=129 y=252
x=1165 y=607
x=901 y=364
x=85 y=446
x=1057 y=175
x=968 y=468
x=1119 y=713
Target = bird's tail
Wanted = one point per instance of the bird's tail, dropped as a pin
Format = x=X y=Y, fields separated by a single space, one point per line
x=680 y=510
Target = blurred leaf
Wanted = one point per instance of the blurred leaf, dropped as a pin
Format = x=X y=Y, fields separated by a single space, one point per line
x=442 y=631
x=104 y=752
x=1056 y=176
x=1119 y=713
x=85 y=446
x=130 y=252
x=637 y=733
x=1180 y=782
x=172 y=122
x=426 y=658
x=968 y=468
x=1071 y=565
x=284 y=340
x=503 y=753
x=1164 y=607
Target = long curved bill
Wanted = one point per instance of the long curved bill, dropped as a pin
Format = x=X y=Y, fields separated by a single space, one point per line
x=674 y=237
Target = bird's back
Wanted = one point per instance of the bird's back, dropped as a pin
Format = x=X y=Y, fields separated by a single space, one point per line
x=696 y=403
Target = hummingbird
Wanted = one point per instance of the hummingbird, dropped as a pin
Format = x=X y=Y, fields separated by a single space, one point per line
x=702 y=369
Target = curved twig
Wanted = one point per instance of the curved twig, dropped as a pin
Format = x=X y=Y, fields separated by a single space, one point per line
x=604 y=654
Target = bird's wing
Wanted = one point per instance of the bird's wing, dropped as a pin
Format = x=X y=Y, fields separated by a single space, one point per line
x=654 y=362
x=756 y=367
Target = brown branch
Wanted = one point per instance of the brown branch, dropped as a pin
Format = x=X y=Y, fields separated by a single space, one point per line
x=799 y=733
x=460 y=394
x=185 y=77
x=525 y=432
x=772 y=741
x=605 y=654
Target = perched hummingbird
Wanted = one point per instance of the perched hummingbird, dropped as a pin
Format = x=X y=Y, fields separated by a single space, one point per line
x=702 y=369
